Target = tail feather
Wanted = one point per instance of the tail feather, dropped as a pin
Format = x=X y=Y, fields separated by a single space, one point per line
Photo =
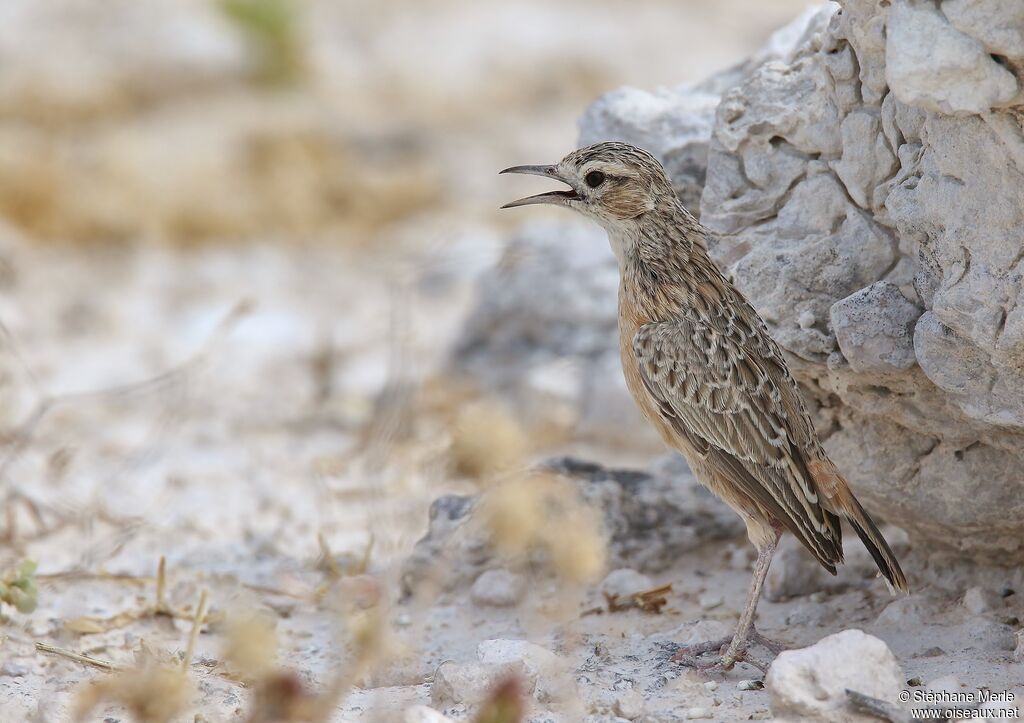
x=880 y=551
x=841 y=501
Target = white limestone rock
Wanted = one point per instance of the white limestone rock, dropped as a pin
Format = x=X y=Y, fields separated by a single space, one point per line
x=998 y=24
x=811 y=683
x=624 y=583
x=875 y=328
x=469 y=683
x=932 y=65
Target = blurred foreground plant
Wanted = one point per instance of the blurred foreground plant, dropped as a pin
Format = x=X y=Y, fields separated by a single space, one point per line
x=154 y=691
x=543 y=513
x=18 y=588
x=271 y=27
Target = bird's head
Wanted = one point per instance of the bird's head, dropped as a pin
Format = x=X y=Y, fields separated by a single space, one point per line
x=612 y=183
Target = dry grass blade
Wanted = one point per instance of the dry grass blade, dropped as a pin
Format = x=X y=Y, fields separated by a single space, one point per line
x=79 y=658
x=653 y=600
x=193 y=636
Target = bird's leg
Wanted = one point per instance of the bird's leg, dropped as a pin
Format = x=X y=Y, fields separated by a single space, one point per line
x=745 y=627
x=745 y=632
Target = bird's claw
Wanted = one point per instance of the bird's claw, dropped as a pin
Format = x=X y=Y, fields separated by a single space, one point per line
x=722 y=663
x=697 y=649
x=773 y=646
x=728 y=654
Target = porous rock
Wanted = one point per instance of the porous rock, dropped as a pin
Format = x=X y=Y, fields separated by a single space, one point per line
x=811 y=683
x=650 y=518
x=878 y=209
x=862 y=191
x=932 y=65
x=874 y=328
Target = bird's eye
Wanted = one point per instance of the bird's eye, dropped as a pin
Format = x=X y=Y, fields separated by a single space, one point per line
x=594 y=179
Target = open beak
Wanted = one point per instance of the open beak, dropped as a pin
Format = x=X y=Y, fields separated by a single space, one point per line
x=555 y=197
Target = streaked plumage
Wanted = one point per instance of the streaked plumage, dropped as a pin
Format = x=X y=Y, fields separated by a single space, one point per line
x=704 y=369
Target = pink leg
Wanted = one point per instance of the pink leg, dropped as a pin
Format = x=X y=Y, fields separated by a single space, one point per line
x=745 y=633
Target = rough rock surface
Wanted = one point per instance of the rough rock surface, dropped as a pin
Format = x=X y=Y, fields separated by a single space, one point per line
x=649 y=520
x=824 y=207
x=811 y=683
x=864 y=194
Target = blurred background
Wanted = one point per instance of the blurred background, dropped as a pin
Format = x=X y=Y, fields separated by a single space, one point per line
x=238 y=240
x=330 y=165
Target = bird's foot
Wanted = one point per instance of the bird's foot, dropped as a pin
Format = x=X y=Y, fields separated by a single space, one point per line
x=770 y=644
x=696 y=650
x=730 y=651
x=724 y=662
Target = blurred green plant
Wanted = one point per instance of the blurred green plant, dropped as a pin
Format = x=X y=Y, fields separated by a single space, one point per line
x=18 y=588
x=271 y=26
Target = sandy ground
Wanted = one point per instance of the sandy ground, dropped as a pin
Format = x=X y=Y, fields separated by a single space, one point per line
x=238 y=452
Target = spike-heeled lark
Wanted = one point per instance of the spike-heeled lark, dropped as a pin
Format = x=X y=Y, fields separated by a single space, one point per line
x=705 y=371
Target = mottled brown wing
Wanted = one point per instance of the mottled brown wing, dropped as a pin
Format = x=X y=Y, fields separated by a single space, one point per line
x=731 y=396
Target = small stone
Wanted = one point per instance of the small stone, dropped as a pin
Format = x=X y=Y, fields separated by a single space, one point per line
x=979 y=600
x=989 y=635
x=818 y=597
x=423 y=714
x=750 y=685
x=811 y=683
x=874 y=328
x=710 y=601
x=623 y=583
x=497 y=588
x=549 y=672
x=697 y=713
x=915 y=682
x=629 y=704
x=11 y=669
x=906 y=611
x=711 y=685
x=806 y=613
x=806 y=320
x=468 y=683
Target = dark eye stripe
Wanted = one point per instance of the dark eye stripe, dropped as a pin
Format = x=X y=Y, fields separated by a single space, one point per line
x=594 y=179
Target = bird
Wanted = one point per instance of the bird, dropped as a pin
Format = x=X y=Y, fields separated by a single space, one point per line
x=707 y=374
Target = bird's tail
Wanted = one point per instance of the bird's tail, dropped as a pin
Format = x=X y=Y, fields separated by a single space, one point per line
x=841 y=500
x=880 y=551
